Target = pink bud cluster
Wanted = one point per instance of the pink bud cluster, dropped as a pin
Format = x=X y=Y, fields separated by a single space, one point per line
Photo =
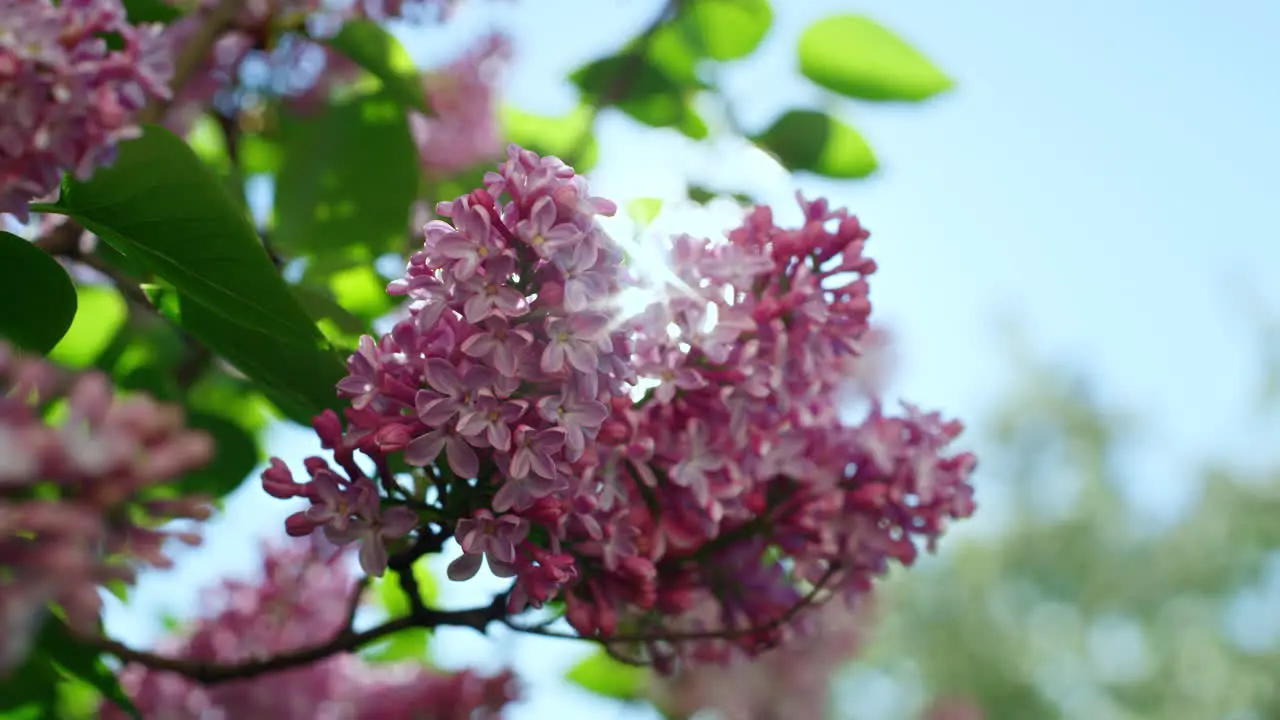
x=695 y=519
x=463 y=132
x=792 y=681
x=69 y=98
x=74 y=509
x=301 y=599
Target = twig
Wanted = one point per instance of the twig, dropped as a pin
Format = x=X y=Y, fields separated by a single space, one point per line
x=353 y=605
x=676 y=637
x=345 y=641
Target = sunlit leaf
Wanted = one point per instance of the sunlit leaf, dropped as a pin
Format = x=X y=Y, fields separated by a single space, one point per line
x=631 y=82
x=568 y=137
x=412 y=644
x=370 y=46
x=857 y=57
x=603 y=675
x=818 y=143
x=100 y=315
x=728 y=29
x=643 y=211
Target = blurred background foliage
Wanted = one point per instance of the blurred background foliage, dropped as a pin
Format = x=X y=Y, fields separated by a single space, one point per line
x=1077 y=607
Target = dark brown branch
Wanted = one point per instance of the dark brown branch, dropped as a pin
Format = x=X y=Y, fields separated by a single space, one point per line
x=345 y=641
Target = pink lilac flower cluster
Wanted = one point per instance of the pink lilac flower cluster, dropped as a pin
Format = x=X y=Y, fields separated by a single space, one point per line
x=708 y=510
x=69 y=98
x=503 y=369
x=463 y=132
x=793 y=681
x=74 y=509
x=301 y=599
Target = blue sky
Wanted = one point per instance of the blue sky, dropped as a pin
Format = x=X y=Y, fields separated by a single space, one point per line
x=1099 y=179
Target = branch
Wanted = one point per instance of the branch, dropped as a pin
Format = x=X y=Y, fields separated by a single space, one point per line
x=676 y=637
x=345 y=641
x=353 y=606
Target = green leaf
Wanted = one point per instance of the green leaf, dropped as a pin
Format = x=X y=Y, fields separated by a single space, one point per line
x=568 y=137
x=100 y=314
x=408 y=645
x=644 y=211
x=373 y=48
x=37 y=298
x=149 y=11
x=816 y=142
x=320 y=304
x=209 y=144
x=220 y=394
x=703 y=195
x=362 y=291
x=637 y=86
x=728 y=29
x=160 y=205
x=674 y=50
x=357 y=193
x=55 y=656
x=259 y=155
x=602 y=675
x=236 y=454
x=859 y=58
x=301 y=384
x=82 y=662
x=392 y=598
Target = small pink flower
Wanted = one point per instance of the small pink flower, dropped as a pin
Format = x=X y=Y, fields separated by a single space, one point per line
x=485 y=537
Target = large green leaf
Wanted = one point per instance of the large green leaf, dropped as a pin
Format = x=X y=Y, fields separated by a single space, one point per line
x=373 y=48
x=728 y=29
x=100 y=315
x=857 y=57
x=816 y=142
x=37 y=298
x=160 y=205
x=347 y=179
x=603 y=675
x=300 y=388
